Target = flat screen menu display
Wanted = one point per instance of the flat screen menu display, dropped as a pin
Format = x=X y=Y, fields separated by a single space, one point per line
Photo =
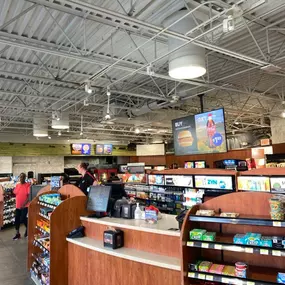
x=214 y=182
x=277 y=184
x=81 y=148
x=179 y=180
x=200 y=164
x=104 y=149
x=202 y=133
x=189 y=164
x=155 y=179
x=254 y=183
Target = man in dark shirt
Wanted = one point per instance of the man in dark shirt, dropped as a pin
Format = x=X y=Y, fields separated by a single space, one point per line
x=87 y=178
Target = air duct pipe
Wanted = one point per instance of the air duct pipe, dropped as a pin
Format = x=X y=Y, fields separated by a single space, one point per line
x=187 y=62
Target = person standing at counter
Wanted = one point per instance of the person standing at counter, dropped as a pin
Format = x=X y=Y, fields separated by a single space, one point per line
x=87 y=178
x=21 y=192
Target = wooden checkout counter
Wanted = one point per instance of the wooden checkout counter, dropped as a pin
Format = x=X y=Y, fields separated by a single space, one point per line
x=151 y=254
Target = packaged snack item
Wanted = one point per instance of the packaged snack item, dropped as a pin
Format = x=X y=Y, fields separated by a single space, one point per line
x=239 y=239
x=229 y=271
x=252 y=238
x=209 y=236
x=194 y=266
x=266 y=241
x=197 y=234
x=240 y=269
x=205 y=213
x=216 y=268
x=204 y=266
x=281 y=278
x=278 y=242
x=229 y=215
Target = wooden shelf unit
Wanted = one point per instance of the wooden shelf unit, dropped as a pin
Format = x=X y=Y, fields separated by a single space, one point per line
x=260 y=260
x=64 y=218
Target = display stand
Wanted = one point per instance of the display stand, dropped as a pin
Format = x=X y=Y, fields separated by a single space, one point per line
x=7 y=207
x=263 y=262
x=64 y=218
x=182 y=188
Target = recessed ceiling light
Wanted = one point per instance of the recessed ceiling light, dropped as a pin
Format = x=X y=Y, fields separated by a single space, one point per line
x=283 y=114
x=137 y=130
x=49 y=137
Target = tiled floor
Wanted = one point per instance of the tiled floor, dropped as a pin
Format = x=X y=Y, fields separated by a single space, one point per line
x=13 y=256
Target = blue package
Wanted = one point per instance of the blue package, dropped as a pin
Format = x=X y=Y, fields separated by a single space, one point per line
x=265 y=241
x=239 y=239
x=281 y=278
x=252 y=238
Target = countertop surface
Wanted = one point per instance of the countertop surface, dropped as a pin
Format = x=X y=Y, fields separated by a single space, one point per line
x=162 y=227
x=129 y=253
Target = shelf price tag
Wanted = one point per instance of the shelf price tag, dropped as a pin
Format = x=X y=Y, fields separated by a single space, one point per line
x=249 y=250
x=277 y=224
x=218 y=246
x=225 y=280
x=191 y=274
x=250 y=283
x=190 y=243
x=264 y=251
x=209 y=278
x=276 y=252
x=201 y=276
x=205 y=245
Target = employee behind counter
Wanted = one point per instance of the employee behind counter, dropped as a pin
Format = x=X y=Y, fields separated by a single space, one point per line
x=87 y=178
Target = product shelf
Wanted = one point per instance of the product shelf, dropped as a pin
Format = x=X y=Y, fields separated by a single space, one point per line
x=64 y=218
x=226 y=243
x=263 y=263
x=255 y=276
x=42 y=230
x=40 y=262
x=241 y=220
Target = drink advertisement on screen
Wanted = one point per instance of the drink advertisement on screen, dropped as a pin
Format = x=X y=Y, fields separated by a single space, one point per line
x=179 y=180
x=210 y=131
x=214 y=182
x=202 y=133
x=81 y=148
x=254 y=183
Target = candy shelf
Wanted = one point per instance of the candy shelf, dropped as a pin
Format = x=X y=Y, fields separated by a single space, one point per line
x=225 y=243
x=264 y=263
x=7 y=204
x=64 y=218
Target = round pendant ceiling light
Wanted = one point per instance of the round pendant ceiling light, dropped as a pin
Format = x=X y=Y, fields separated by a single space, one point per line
x=40 y=127
x=61 y=123
x=187 y=62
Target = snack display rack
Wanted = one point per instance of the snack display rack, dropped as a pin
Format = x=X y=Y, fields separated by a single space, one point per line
x=7 y=204
x=174 y=190
x=263 y=263
x=51 y=255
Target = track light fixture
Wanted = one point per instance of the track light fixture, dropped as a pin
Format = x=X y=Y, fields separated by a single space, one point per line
x=86 y=102
x=59 y=133
x=137 y=130
x=108 y=91
x=88 y=88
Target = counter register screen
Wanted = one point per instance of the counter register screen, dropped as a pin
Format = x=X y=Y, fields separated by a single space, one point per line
x=98 y=198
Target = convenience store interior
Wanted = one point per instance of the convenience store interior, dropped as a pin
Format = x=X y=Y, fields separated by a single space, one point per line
x=180 y=102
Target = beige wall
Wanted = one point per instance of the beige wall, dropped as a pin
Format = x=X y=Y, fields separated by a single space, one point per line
x=38 y=164
x=6 y=164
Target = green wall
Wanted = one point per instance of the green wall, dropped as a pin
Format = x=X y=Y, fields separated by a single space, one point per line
x=29 y=149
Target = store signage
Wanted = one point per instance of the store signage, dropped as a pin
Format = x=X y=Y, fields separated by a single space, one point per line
x=155 y=179
x=133 y=178
x=81 y=148
x=179 y=180
x=202 y=133
x=277 y=184
x=104 y=149
x=214 y=182
x=253 y=183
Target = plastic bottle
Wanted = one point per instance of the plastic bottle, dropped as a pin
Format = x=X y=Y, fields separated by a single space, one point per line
x=138 y=212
